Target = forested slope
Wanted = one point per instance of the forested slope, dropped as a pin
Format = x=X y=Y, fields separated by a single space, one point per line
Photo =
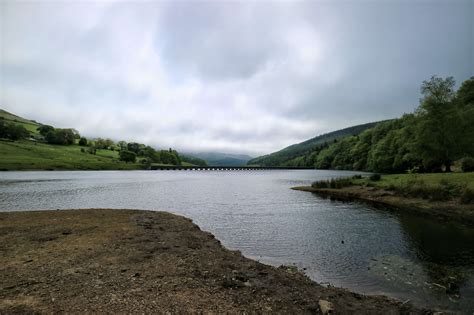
x=302 y=154
x=438 y=133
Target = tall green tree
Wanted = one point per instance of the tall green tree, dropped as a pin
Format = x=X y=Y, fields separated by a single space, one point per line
x=61 y=136
x=83 y=141
x=465 y=124
x=44 y=129
x=436 y=136
x=127 y=156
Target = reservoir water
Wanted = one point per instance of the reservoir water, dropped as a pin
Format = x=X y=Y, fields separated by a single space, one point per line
x=346 y=244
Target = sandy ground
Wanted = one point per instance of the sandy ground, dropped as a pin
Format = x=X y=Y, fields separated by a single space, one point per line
x=129 y=261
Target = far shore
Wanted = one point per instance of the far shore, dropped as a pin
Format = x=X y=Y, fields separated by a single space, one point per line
x=448 y=211
x=133 y=261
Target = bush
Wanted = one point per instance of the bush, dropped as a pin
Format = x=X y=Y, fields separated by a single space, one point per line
x=127 y=156
x=468 y=164
x=467 y=196
x=44 y=129
x=83 y=141
x=357 y=176
x=335 y=183
x=92 y=150
x=145 y=161
x=375 y=177
x=60 y=136
x=320 y=184
x=83 y=150
x=12 y=131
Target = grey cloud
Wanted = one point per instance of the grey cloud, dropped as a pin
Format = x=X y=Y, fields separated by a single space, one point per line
x=217 y=40
x=248 y=77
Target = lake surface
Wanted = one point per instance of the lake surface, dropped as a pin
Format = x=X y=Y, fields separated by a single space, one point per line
x=346 y=244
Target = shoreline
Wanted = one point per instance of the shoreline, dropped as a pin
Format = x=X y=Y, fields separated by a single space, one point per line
x=107 y=260
x=446 y=211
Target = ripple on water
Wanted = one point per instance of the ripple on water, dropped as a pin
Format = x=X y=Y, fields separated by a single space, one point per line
x=347 y=244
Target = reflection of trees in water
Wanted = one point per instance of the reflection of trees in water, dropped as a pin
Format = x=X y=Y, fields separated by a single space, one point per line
x=445 y=251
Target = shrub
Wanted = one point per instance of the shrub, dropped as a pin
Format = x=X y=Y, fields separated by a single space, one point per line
x=467 y=196
x=60 y=136
x=320 y=184
x=12 y=131
x=468 y=164
x=127 y=156
x=83 y=141
x=92 y=150
x=82 y=150
x=375 y=177
x=358 y=176
x=413 y=170
x=335 y=183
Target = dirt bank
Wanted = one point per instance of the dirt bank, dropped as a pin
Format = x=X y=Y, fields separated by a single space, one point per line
x=147 y=262
x=448 y=211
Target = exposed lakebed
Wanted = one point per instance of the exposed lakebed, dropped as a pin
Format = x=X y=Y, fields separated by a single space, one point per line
x=347 y=244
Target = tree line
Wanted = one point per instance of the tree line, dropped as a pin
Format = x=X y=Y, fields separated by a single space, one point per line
x=128 y=152
x=439 y=132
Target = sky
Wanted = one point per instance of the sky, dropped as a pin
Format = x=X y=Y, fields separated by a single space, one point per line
x=230 y=76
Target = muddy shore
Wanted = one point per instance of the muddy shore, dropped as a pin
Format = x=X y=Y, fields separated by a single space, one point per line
x=131 y=261
x=446 y=211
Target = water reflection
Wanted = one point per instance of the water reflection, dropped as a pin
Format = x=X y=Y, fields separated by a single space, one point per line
x=446 y=254
x=442 y=243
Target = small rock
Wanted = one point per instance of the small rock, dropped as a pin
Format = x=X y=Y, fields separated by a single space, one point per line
x=326 y=307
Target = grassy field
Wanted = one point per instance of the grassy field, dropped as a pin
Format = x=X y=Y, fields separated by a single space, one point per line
x=27 y=155
x=432 y=187
x=29 y=125
x=432 y=180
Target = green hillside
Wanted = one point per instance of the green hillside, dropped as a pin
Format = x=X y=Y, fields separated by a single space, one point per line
x=31 y=150
x=297 y=154
x=28 y=155
x=29 y=125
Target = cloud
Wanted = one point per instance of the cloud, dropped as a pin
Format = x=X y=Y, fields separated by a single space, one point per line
x=242 y=77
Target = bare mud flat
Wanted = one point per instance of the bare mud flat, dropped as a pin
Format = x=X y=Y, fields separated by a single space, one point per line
x=131 y=261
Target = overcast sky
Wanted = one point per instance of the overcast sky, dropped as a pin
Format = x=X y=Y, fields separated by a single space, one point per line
x=242 y=77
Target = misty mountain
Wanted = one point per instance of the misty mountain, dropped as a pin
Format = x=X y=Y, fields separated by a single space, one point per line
x=222 y=159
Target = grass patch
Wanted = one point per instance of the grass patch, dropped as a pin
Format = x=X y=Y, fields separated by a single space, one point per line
x=434 y=187
x=27 y=155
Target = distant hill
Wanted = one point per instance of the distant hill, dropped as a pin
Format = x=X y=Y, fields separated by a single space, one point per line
x=192 y=160
x=222 y=159
x=290 y=155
